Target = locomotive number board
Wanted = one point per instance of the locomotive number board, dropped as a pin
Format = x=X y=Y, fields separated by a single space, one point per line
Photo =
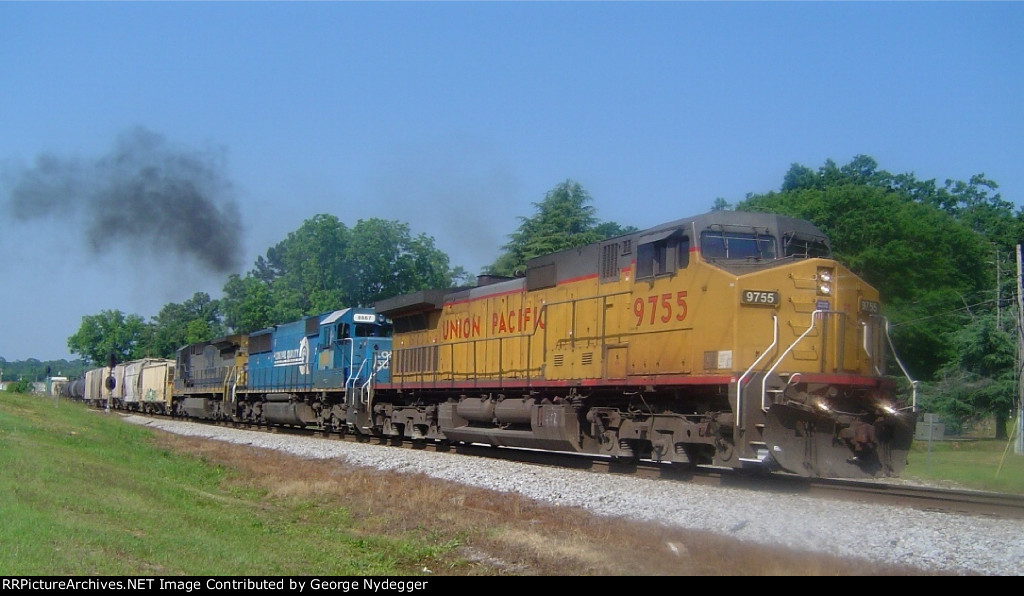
x=869 y=306
x=759 y=297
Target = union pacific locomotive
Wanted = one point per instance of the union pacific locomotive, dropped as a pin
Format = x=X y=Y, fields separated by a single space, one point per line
x=729 y=339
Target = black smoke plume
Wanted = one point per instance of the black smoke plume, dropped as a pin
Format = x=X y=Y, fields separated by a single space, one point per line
x=144 y=195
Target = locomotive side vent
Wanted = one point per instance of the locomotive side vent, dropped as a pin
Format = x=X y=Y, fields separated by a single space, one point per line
x=559 y=359
x=538 y=278
x=588 y=358
x=259 y=343
x=610 y=262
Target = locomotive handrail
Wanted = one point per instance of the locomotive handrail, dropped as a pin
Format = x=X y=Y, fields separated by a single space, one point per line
x=746 y=373
x=913 y=383
x=867 y=350
x=366 y=390
x=353 y=377
x=230 y=384
x=771 y=369
x=353 y=374
x=451 y=376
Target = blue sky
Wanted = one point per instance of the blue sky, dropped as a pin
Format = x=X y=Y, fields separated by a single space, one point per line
x=453 y=117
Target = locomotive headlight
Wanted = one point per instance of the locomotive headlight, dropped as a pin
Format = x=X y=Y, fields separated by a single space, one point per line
x=889 y=410
x=825 y=282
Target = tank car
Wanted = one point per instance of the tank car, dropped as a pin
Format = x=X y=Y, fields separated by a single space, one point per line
x=74 y=389
x=728 y=339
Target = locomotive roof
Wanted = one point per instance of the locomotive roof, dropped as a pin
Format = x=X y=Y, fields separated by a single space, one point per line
x=424 y=300
x=772 y=223
x=583 y=260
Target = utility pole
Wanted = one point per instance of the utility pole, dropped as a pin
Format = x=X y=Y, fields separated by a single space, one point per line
x=999 y=305
x=1019 y=444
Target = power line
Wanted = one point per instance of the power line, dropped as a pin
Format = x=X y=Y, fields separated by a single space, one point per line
x=967 y=308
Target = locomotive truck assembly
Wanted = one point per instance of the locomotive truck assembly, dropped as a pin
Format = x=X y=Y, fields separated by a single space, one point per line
x=728 y=339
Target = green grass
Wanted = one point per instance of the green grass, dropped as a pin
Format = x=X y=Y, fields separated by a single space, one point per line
x=983 y=464
x=84 y=493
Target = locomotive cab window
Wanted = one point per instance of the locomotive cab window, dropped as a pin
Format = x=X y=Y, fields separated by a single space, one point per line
x=719 y=244
x=662 y=254
x=804 y=248
x=371 y=330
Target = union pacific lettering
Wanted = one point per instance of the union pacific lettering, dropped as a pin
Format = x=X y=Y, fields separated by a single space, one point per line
x=516 y=320
x=464 y=328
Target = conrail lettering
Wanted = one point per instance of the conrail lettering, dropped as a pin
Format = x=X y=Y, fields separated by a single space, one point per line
x=464 y=328
x=516 y=320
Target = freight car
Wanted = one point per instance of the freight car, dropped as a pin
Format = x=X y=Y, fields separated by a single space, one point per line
x=729 y=339
x=74 y=389
x=143 y=385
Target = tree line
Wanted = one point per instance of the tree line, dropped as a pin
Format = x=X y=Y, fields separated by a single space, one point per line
x=22 y=373
x=940 y=254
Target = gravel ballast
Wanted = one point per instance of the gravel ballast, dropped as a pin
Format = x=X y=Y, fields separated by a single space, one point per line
x=925 y=540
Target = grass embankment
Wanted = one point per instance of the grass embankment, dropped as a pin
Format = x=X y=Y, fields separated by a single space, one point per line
x=84 y=493
x=982 y=464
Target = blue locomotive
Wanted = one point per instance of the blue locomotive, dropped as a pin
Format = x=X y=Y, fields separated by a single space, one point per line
x=319 y=370
x=343 y=349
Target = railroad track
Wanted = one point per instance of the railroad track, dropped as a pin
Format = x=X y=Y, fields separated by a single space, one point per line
x=893 y=492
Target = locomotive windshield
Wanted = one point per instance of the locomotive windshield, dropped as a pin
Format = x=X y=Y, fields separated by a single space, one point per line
x=371 y=330
x=794 y=245
x=721 y=244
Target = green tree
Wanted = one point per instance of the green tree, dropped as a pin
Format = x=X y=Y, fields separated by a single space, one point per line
x=37 y=370
x=564 y=219
x=980 y=378
x=308 y=270
x=325 y=265
x=20 y=386
x=110 y=333
x=387 y=260
x=247 y=303
x=176 y=325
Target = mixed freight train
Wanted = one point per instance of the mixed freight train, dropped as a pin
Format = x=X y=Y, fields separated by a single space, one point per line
x=728 y=339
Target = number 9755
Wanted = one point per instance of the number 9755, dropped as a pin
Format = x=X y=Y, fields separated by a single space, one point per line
x=660 y=307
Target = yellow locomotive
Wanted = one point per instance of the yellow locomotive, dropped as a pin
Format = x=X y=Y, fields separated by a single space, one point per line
x=730 y=339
